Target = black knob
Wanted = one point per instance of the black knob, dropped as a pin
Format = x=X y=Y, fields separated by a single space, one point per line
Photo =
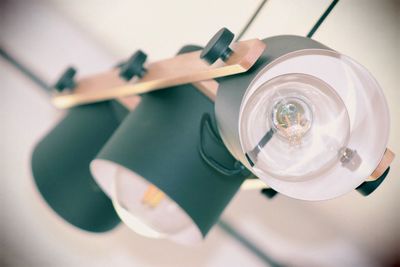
x=269 y=192
x=134 y=66
x=66 y=81
x=218 y=46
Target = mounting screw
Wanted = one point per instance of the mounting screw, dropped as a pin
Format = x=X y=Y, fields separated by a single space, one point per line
x=134 y=66
x=66 y=81
x=218 y=46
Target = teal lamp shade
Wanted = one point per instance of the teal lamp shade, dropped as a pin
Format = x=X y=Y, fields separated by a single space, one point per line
x=310 y=122
x=165 y=169
x=60 y=165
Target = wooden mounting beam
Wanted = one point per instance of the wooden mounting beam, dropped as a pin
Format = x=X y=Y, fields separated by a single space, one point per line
x=181 y=69
x=385 y=162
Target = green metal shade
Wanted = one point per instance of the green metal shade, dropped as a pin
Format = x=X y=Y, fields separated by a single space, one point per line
x=60 y=165
x=163 y=142
x=159 y=140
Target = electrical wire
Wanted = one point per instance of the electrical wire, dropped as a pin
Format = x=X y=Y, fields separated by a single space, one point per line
x=26 y=71
x=229 y=229
x=252 y=18
x=322 y=18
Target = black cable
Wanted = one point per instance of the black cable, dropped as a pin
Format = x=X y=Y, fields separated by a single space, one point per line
x=35 y=78
x=246 y=27
x=322 y=18
x=248 y=244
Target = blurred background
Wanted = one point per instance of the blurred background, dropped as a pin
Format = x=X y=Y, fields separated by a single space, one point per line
x=46 y=36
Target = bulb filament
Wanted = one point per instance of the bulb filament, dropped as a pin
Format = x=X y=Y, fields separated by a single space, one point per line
x=152 y=197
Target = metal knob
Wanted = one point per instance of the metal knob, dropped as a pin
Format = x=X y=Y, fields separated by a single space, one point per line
x=134 y=66
x=218 y=46
x=66 y=81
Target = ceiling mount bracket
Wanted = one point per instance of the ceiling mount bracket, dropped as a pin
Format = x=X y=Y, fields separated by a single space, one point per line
x=177 y=70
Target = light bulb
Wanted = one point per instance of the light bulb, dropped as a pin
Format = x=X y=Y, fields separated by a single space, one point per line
x=291 y=119
x=149 y=211
x=293 y=127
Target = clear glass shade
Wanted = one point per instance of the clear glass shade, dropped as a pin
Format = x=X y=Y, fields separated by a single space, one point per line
x=313 y=124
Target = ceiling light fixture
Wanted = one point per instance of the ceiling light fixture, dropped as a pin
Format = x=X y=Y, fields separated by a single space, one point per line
x=308 y=121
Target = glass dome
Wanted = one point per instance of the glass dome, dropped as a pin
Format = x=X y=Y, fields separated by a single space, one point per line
x=313 y=124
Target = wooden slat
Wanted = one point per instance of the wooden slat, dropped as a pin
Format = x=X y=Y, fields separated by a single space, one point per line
x=385 y=162
x=181 y=69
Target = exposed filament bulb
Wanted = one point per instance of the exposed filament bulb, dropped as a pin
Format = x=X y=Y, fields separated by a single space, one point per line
x=292 y=118
x=152 y=197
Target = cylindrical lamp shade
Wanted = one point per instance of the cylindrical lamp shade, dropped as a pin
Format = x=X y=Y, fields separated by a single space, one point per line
x=152 y=169
x=60 y=165
x=309 y=121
